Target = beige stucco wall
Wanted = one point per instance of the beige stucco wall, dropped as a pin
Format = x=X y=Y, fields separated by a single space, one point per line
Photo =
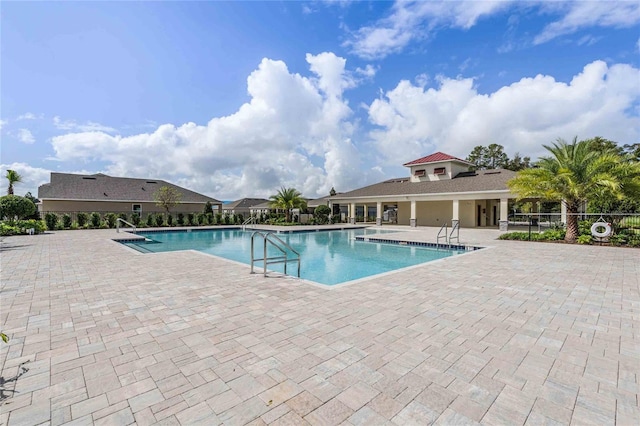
x=434 y=213
x=466 y=214
x=113 y=207
x=404 y=213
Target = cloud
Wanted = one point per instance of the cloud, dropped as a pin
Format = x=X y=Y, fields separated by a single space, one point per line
x=453 y=117
x=586 y=14
x=29 y=116
x=32 y=177
x=3 y=123
x=89 y=126
x=25 y=136
x=410 y=21
x=294 y=131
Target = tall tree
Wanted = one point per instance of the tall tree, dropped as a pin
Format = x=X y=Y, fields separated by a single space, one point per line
x=13 y=177
x=489 y=157
x=167 y=197
x=518 y=163
x=574 y=173
x=495 y=157
x=478 y=158
x=287 y=199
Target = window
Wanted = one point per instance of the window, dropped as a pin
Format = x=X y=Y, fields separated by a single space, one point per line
x=420 y=173
x=439 y=171
x=137 y=208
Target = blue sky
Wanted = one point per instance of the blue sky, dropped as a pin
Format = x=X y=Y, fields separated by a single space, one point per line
x=236 y=99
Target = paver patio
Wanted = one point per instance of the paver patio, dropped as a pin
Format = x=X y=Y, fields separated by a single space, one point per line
x=520 y=333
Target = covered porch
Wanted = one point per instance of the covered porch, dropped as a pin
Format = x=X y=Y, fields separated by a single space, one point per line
x=467 y=210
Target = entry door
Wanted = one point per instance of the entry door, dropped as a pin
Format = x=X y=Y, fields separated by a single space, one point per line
x=495 y=215
x=479 y=208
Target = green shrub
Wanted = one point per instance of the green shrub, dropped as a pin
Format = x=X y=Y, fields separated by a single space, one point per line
x=149 y=219
x=552 y=235
x=634 y=240
x=123 y=216
x=190 y=219
x=135 y=219
x=219 y=218
x=240 y=219
x=51 y=219
x=169 y=220
x=66 y=221
x=321 y=214
x=520 y=236
x=618 y=239
x=585 y=239
x=584 y=227
x=95 y=220
x=227 y=219
x=211 y=218
x=82 y=219
x=202 y=219
x=111 y=219
x=6 y=229
x=180 y=219
x=159 y=219
x=14 y=207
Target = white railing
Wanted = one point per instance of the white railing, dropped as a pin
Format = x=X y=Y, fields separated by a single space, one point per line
x=250 y=220
x=281 y=246
x=442 y=228
x=125 y=222
x=455 y=232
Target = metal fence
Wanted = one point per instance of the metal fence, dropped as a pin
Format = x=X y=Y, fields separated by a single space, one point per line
x=628 y=223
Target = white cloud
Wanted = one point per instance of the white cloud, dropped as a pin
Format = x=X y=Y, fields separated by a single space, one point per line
x=25 y=136
x=585 y=14
x=28 y=116
x=294 y=131
x=32 y=177
x=454 y=117
x=415 y=20
x=3 y=123
x=89 y=126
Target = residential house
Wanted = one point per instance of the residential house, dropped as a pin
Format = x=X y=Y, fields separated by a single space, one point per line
x=68 y=193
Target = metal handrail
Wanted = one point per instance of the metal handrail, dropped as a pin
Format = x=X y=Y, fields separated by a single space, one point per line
x=455 y=228
x=251 y=219
x=280 y=245
x=443 y=227
x=124 y=221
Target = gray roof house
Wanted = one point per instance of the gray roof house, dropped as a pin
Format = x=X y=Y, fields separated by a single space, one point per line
x=102 y=193
x=440 y=189
x=242 y=206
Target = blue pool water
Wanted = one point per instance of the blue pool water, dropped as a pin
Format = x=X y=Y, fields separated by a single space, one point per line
x=327 y=257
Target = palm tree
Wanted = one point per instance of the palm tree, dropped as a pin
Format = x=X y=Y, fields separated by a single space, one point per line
x=576 y=173
x=287 y=199
x=13 y=177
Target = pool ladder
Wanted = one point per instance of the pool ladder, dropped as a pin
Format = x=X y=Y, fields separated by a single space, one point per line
x=281 y=246
x=449 y=236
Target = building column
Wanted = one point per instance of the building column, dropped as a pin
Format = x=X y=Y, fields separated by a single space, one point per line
x=413 y=222
x=365 y=213
x=504 y=214
x=455 y=219
x=379 y=213
x=352 y=213
x=563 y=212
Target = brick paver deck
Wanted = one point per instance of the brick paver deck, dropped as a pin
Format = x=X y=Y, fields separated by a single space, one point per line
x=520 y=333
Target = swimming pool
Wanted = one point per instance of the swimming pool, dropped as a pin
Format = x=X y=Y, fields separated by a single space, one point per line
x=327 y=257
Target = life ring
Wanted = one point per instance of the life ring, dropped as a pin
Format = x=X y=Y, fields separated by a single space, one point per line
x=603 y=234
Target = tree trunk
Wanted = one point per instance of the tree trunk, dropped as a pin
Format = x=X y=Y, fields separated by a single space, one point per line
x=572 y=224
x=288 y=215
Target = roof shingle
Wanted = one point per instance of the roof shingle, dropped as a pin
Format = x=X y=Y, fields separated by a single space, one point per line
x=482 y=180
x=100 y=187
